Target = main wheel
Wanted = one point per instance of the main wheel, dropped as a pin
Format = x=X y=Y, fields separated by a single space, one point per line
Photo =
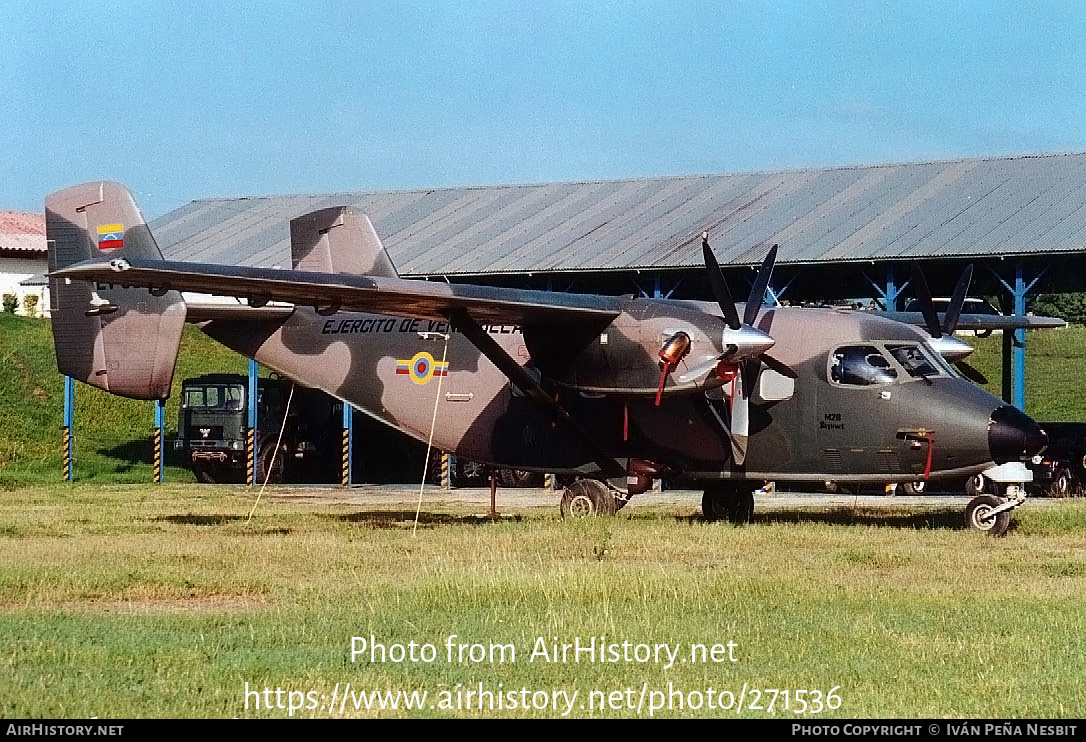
x=587 y=497
x=735 y=504
x=976 y=485
x=919 y=487
x=978 y=515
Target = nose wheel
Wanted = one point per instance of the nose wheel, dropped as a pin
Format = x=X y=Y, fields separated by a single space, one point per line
x=989 y=514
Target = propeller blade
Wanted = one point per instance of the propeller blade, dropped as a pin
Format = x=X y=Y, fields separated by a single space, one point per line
x=927 y=306
x=957 y=301
x=740 y=423
x=971 y=373
x=757 y=290
x=720 y=288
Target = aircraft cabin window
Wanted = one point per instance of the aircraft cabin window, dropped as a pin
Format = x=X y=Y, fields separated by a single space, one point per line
x=860 y=365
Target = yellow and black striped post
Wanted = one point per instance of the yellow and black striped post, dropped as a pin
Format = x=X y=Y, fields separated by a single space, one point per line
x=160 y=416
x=67 y=469
x=446 y=470
x=345 y=474
x=250 y=456
x=158 y=456
x=550 y=482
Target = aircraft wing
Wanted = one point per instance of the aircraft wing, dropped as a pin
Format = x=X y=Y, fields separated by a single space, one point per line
x=983 y=321
x=348 y=292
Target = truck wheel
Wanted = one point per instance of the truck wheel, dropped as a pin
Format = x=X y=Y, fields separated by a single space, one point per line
x=205 y=471
x=270 y=465
x=470 y=473
x=516 y=478
x=1062 y=484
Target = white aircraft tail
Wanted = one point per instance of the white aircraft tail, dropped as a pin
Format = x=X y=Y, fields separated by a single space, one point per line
x=122 y=340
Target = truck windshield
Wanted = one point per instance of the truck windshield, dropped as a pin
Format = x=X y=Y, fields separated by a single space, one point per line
x=214 y=397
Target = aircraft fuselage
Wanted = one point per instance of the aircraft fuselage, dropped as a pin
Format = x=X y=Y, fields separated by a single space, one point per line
x=857 y=409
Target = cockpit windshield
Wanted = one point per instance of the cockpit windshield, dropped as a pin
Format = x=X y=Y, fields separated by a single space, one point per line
x=915 y=359
x=214 y=397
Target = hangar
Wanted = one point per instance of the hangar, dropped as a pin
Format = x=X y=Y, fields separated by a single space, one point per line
x=844 y=232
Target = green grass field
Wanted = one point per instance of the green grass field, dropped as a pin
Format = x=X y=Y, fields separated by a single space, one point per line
x=134 y=600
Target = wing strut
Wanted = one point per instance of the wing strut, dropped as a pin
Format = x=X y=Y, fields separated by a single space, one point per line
x=532 y=389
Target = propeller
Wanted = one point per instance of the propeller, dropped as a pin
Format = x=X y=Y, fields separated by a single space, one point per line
x=942 y=333
x=745 y=346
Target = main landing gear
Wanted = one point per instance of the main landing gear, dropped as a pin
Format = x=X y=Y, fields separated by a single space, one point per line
x=587 y=497
x=727 y=501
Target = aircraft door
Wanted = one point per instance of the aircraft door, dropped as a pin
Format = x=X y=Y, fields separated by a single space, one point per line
x=858 y=416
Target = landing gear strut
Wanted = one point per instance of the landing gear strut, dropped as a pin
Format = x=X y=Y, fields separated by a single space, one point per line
x=732 y=502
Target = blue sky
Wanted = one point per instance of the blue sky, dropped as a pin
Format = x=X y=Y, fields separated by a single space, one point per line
x=198 y=99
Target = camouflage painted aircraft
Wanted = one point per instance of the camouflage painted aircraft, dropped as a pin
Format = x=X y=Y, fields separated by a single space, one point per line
x=601 y=388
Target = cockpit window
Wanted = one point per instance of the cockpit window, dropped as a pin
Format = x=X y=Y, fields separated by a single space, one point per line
x=861 y=365
x=915 y=360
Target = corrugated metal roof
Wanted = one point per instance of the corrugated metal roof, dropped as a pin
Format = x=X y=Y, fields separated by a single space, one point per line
x=982 y=207
x=22 y=231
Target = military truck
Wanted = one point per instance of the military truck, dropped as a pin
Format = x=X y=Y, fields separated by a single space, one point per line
x=213 y=419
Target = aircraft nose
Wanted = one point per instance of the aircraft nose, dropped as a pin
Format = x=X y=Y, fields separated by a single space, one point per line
x=1014 y=435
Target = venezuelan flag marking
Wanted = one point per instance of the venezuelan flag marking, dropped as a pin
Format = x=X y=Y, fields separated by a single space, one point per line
x=110 y=236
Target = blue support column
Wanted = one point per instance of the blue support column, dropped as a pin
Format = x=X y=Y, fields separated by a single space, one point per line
x=160 y=423
x=892 y=292
x=1018 y=395
x=1014 y=344
x=69 y=410
x=250 y=433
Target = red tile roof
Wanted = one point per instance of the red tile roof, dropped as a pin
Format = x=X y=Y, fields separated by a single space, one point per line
x=22 y=230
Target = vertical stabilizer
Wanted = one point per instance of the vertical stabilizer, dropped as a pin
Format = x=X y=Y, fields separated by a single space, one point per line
x=336 y=240
x=122 y=340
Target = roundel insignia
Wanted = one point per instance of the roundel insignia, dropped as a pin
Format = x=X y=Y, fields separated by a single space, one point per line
x=422 y=367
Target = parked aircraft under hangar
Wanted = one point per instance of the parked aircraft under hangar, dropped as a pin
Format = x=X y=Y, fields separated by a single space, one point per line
x=589 y=385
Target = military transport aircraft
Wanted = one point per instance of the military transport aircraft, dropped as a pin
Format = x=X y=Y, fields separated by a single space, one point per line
x=605 y=388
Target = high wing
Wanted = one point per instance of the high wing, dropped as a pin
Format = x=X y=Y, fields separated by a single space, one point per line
x=329 y=292
x=983 y=321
